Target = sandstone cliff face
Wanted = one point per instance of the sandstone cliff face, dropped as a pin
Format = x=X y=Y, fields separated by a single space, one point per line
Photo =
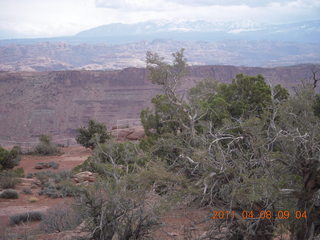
x=57 y=103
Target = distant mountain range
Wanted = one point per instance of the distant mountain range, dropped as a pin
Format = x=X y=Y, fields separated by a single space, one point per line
x=116 y=46
x=117 y=33
x=205 y=31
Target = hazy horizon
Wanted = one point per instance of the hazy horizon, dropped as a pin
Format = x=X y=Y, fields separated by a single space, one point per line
x=44 y=19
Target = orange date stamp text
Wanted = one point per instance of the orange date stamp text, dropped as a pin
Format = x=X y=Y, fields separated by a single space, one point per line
x=264 y=214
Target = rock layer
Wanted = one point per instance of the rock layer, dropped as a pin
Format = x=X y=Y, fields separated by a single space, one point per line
x=59 y=102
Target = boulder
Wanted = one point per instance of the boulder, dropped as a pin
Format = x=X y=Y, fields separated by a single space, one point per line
x=85 y=176
x=121 y=134
x=137 y=134
x=131 y=134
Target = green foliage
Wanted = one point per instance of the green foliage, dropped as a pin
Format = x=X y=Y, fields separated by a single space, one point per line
x=163 y=120
x=238 y=146
x=9 y=194
x=246 y=96
x=113 y=160
x=316 y=105
x=9 y=179
x=57 y=185
x=160 y=72
x=9 y=159
x=95 y=133
x=46 y=139
x=242 y=145
x=115 y=213
x=19 y=172
x=46 y=147
x=280 y=93
x=61 y=189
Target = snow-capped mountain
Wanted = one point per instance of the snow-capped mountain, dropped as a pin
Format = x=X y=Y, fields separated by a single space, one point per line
x=205 y=31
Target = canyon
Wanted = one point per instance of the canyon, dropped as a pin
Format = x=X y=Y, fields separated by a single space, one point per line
x=59 y=102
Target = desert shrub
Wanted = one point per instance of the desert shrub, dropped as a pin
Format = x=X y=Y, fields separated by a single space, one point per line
x=60 y=218
x=68 y=189
x=9 y=159
x=25 y=217
x=46 y=147
x=113 y=212
x=56 y=176
x=42 y=165
x=50 y=191
x=19 y=172
x=8 y=179
x=59 y=190
x=9 y=194
x=54 y=165
x=95 y=133
x=56 y=185
x=64 y=175
x=30 y=175
x=44 y=176
x=33 y=199
x=26 y=191
x=114 y=160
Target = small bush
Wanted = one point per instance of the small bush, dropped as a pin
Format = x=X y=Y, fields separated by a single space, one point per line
x=60 y=218
x=9 y=159
x=59 y=190
x=9 y=194
x=19 y=172
x=57 y=177
x=54 y=165
x=46 y=147
x=64 y=175
x=43 y=165
x=8 y=179
x=30 y=175
x=116 y=213
x=44 y=177
x=56 y=185
x=51 y=191
x=27 y=191
x=25 y=217
x=95 y=133
x=33 y=199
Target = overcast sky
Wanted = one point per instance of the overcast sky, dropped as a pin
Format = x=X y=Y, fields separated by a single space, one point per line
x=48 y=18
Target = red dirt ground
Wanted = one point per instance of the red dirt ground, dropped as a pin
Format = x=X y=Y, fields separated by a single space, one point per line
x=71 y=157
x=175 y=222
x=178 y=224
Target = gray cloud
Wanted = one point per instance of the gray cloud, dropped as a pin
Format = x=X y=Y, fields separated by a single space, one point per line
x=251 y=3
x=138 y=4
x=61 y=17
